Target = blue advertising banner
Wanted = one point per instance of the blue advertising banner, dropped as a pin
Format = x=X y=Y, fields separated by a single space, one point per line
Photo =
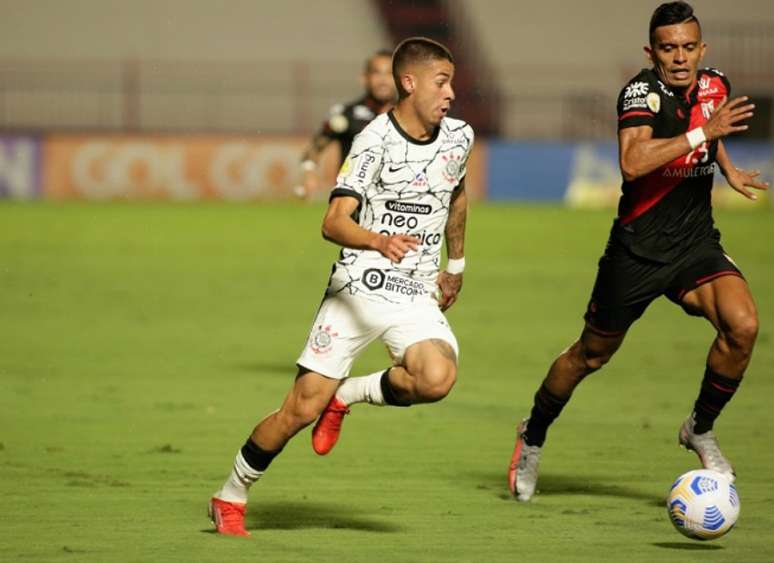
x=587 y=174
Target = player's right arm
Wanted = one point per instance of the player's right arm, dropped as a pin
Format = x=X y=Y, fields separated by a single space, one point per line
x=641 y=154
x=339 y=227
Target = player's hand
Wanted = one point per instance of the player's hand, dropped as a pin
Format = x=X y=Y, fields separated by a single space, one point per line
x=728 y=117
x=449 y=286
x=741 y=180
x=395 y=247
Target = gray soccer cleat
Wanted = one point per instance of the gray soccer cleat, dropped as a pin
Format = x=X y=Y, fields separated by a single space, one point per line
x=706 y=447
x=523 y=471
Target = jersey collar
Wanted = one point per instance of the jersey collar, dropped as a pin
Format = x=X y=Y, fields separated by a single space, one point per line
x=408 y=137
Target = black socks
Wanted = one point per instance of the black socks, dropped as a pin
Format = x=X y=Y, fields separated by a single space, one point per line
x=388 y=393
x=716 y=391
x=256 y=457
x=545 y=410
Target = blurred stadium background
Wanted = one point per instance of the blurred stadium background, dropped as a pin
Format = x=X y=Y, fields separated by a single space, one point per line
x=192 y=99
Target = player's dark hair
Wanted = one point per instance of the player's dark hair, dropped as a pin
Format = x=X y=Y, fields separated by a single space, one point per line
x=380 y=53
x=416 y=50
x=671 y=13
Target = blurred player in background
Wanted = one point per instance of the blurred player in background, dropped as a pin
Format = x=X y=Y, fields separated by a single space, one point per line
x=400 y=190
x=347 y=120
x=671 y=122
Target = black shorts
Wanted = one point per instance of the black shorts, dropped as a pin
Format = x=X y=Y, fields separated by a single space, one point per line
x=626 y=284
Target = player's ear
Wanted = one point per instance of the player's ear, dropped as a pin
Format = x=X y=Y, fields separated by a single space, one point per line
x=649 y=53
x=702 y=51
x=408 y=83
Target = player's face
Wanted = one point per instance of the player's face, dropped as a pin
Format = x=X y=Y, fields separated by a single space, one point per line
x=433 y=93
x=378 y=79
x=676 y=53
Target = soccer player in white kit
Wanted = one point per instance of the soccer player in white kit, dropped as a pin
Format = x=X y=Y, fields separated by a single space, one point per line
x=399 y=193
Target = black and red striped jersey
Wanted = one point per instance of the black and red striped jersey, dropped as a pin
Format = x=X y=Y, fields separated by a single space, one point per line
x=664 y=213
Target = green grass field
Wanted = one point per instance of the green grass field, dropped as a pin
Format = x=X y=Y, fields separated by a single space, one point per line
x=140 y=343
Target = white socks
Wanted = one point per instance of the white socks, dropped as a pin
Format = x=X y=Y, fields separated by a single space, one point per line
x=364 y=389
x=238 y=483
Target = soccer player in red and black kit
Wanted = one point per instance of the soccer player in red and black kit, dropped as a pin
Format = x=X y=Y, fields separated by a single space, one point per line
x=672 y=119
x=345 y=121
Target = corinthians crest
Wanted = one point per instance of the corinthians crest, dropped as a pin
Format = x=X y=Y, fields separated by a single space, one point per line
x=321 y=340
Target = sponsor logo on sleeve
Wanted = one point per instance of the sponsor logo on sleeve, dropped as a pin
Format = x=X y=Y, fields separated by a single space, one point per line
x=635 y=103
x=654 y=102
x=346 y=167
x=636 y=90
x=365 y=163
x=338 y=123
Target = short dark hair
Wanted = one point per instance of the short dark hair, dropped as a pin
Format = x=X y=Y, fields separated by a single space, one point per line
x=671 y=13
x=380 y=53
x=416 y=50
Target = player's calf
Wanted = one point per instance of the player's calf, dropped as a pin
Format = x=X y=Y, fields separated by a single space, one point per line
x=429 y=374
x=435 y=382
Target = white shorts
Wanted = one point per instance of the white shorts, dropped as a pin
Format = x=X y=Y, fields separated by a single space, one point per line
x=345 y=324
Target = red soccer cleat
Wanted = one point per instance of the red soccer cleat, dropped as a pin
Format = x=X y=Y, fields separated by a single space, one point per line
x=326 y=432
x=228 y=517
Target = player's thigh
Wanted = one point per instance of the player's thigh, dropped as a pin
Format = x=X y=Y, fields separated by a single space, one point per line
x=423 y=323
x=712 y=286
x=343 y=326
x=726 y=302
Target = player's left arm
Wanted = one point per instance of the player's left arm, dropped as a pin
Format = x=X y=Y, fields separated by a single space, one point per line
x=450 y=283
x=737 y=178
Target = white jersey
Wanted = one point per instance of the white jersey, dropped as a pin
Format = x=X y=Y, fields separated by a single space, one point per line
x=404 y=186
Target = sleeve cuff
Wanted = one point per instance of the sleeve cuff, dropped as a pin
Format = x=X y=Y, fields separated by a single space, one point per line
x=345 y=192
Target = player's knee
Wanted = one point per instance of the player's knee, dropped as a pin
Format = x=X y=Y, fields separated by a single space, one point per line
x=300 y=414
x=592 y=360
x=437 y=381
x=743 y=331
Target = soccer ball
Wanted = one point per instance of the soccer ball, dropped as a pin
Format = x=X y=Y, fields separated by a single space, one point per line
x=703 y=504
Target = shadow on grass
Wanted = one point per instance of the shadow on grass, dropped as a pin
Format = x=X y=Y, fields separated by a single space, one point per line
x=687 y=546
x=584 y=485
x=556 y=484
x=297 y=515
